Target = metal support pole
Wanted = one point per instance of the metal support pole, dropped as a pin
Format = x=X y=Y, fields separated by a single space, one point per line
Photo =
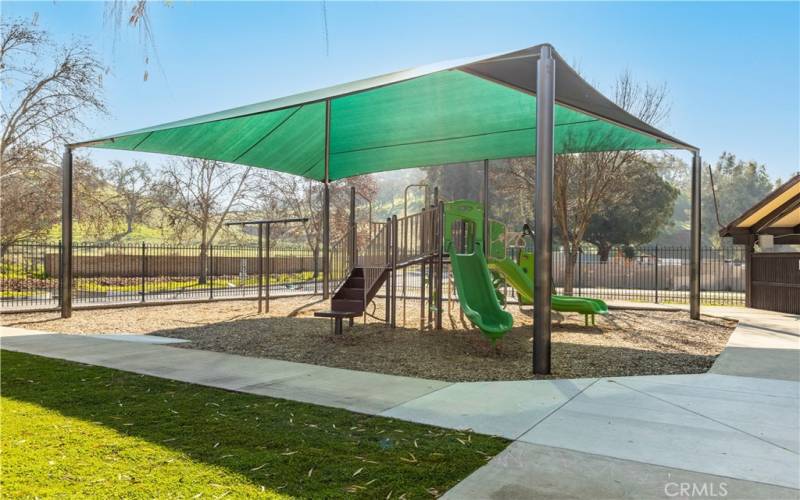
x=66 y=233
x=60 y=273
x=433 y=252
x=545 y=103
x=211 y=271
x=260 y=265
x=439 y=260
x=394 y=248
x=144 y=268
x=486 y=232
x=353 y=235
x=326 y=240
x=326 y=207
x=387 y=282
x=269 y=267
x=694 y=265
x=655 y=284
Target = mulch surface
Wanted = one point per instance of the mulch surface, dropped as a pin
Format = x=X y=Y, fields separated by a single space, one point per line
x=624 y=343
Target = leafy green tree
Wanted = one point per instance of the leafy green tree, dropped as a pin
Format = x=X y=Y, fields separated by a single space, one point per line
x=739 y=185
x=638 y=216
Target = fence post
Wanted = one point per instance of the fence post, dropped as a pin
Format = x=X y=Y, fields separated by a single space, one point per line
x=211 y=271
x=314 y=266
x=580 y=269
x=261 y=264
x=268 y=265
x=60 y=274
x=394 y=271
x=387 y=263
x=439 y=261
x=655 y=281
x=144 y=267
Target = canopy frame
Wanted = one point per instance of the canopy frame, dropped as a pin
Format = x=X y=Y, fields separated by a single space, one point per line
x=549 y=68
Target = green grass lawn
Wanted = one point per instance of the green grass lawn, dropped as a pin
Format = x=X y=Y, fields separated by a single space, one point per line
x=76 y=430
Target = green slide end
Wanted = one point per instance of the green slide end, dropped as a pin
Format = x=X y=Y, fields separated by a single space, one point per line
x=514 y=276
x=476 y=293
x=520 y=277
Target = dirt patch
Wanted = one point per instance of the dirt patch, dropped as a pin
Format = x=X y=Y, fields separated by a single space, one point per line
x=624 y=343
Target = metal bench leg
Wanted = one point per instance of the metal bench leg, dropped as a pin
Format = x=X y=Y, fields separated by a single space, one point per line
x=351 y=322
x=337 y=329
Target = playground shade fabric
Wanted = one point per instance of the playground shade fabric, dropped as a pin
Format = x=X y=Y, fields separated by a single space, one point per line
x=468 y=110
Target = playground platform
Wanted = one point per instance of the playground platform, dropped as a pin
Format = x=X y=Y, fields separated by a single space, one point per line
x=735 y=428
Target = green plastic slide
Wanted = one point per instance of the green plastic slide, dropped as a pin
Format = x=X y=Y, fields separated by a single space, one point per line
x=521 y=279
x=476 y=293
x=514 y=276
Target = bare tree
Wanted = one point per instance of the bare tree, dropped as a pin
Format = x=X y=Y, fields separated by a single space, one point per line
x=200 y=194
x=135 y=14
x=133 y=189
x=584 y=182
x=293 y=196
x=47 y=92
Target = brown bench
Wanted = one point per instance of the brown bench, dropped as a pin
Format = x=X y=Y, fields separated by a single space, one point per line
x=337 y=316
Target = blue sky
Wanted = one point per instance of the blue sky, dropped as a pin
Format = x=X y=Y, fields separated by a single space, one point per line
x=732 y=69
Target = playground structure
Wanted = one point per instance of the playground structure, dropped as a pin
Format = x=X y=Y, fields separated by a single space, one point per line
x=528 y=102
x=452 y=232
x=264 y=230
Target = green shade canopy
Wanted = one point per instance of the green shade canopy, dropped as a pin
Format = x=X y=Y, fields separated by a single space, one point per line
x=468 y=110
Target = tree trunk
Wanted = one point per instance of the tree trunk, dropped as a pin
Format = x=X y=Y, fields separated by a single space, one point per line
x=603 y=250
x=316 y=261
x=203 y=254
x=569 y=268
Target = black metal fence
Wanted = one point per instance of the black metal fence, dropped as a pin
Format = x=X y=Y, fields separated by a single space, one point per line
x=123 y=274
x=126 y=274
x=655 y=275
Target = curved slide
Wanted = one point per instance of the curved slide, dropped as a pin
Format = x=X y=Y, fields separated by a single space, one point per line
x=519 y=279
x=476 y=293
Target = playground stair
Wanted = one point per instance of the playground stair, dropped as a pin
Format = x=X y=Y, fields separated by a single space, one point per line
x=351 y=298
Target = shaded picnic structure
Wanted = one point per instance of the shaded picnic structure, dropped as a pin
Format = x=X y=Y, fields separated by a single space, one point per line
x=772 y=275
x=528 y=102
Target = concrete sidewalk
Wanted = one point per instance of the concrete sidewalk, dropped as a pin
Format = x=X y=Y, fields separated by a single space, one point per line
x=736 y=428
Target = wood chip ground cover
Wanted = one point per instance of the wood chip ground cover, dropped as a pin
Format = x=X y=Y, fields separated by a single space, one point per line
x=624 y=343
